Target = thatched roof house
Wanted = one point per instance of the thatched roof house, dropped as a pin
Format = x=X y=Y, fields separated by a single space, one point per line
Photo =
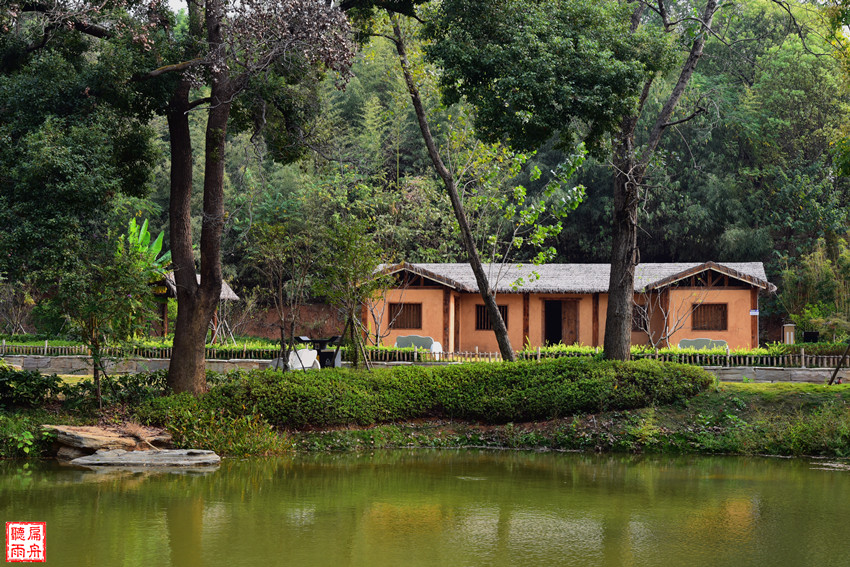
x=576 y=278
x=568 y=303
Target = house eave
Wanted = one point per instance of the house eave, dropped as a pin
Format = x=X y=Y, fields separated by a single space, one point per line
x=720 y=268
x=419 y=271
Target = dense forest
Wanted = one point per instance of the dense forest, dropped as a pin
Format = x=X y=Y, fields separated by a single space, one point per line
x=325 y=152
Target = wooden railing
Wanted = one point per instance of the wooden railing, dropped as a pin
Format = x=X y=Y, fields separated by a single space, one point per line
x=801 y=360
x=383 y=355
x=135 y=352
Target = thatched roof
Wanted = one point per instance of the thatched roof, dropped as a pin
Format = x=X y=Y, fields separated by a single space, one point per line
x=227 y=294
x=576 y=278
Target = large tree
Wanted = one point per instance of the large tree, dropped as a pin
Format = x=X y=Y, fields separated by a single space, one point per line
x=72 y=143
x=225 y=59
x=236 y=47
x=631 y=162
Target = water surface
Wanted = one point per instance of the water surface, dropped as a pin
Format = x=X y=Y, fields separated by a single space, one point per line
x=442 y=508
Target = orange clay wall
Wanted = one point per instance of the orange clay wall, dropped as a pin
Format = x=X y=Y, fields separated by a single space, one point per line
x=603 y=312
x=737 y=335
x=486 y=340
x=739 y=320
x=432 y=314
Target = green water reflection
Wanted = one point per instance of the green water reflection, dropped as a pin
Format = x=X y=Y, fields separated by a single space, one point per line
x=442 y=508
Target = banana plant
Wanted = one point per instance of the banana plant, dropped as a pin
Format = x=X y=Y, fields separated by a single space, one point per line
x=137 y=245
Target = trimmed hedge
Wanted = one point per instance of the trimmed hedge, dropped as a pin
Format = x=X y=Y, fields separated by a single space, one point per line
x=490 y=393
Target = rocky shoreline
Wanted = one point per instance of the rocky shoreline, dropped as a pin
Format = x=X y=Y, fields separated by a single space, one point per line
x=128 y=445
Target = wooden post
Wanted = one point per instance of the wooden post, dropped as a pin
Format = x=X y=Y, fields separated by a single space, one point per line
x=447 y=304
x=802 y=357
x=840 y=364
x=594 y=337
x=526 y=314
x=754 y=319
x=538 y=354
x=45 y=348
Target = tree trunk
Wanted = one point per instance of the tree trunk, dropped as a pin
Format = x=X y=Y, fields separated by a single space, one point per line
x=629 y=173
x=487 y=294
x=618 y=321
x=196 y=302
x=186 y=371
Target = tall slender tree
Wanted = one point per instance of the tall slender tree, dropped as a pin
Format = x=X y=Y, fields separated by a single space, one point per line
x=450 y=183
x=237 y=46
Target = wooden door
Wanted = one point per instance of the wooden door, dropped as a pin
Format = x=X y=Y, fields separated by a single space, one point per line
x=569 y=317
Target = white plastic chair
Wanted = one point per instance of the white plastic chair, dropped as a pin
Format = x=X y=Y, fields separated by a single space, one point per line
x=299 y=360
x=436 y=350
x=304 y=359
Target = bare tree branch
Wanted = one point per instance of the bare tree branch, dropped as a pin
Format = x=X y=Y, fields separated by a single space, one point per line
x=176 y=67
x=694 y=114
x=661 y=123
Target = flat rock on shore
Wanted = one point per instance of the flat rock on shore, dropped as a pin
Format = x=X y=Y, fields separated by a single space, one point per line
x=78 y=441
x=159 y=459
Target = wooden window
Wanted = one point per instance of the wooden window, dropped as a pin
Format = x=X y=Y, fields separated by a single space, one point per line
x=482 y=317
x=709 y=317
x=405 y=315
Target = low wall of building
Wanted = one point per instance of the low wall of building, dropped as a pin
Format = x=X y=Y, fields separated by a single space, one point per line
x=82 y=365
x=775 y=374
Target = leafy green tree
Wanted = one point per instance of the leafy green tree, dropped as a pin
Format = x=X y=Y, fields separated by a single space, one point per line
x=536 y=69
x=816 y=290
x=107 y=299
x=346 y=276
x=286 y=252
x=63 y=158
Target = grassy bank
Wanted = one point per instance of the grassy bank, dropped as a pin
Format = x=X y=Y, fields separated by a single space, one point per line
x=742 y=419
x=566 y=404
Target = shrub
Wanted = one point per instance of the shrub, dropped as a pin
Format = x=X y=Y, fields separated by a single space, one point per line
x=823 y=431
x=193 y=424
x=27 y=388
x=812 y=349
x=129 y=389
x=21 y=436
x=492 y=393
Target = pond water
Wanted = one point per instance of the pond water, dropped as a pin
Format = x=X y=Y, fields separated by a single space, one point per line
x=442 y=508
